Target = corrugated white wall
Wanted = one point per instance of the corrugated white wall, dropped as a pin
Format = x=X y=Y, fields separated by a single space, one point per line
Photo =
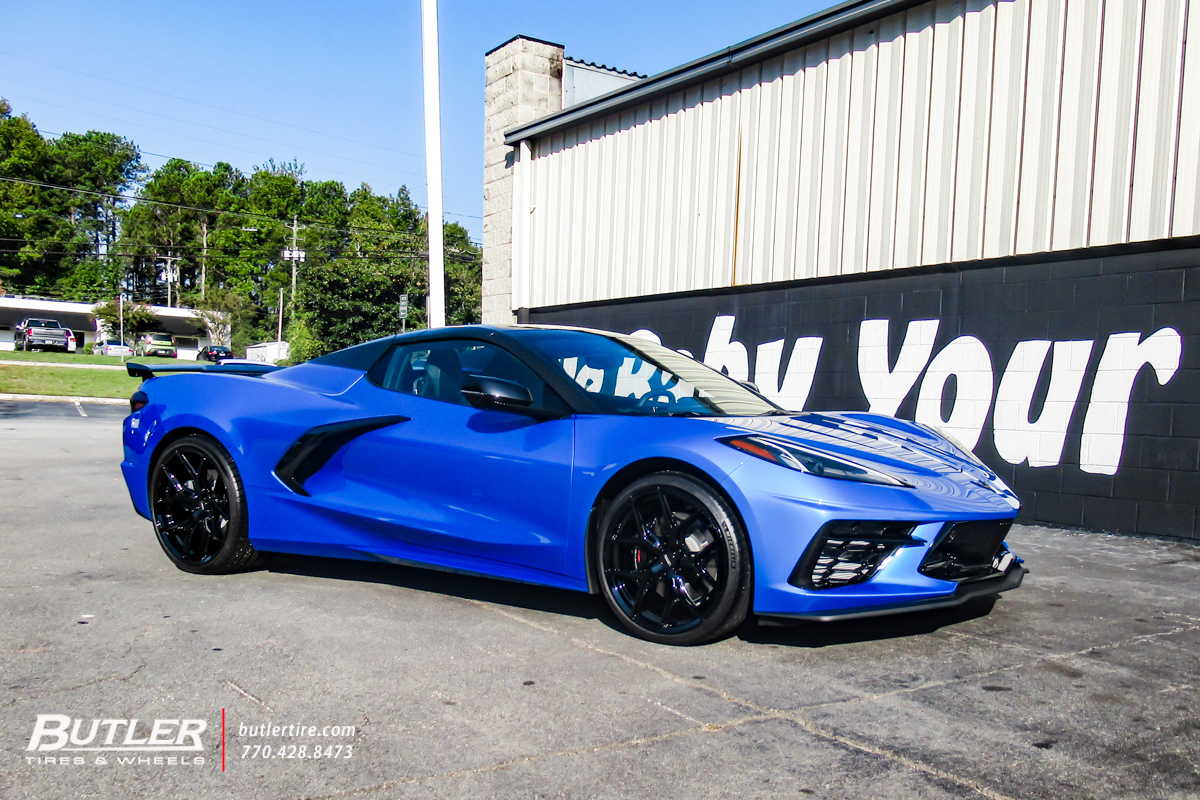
x=958 y=130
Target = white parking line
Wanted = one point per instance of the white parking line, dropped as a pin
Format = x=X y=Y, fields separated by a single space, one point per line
x=79 y=408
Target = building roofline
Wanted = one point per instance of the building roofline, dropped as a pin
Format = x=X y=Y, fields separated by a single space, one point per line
x=815 y=27
x=603 y=68
x=526 y=38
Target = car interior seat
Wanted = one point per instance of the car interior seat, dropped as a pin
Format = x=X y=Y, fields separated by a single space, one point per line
x=443 y=375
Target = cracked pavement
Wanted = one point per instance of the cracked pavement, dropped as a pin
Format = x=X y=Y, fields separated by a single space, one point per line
x=1081 y=684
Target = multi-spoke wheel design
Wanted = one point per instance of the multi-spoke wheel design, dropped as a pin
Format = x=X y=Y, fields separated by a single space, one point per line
x=673 y=562
x=198 y=507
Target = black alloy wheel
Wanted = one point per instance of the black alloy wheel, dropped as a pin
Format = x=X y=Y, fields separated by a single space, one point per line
x=673 y=562
x=198 y=507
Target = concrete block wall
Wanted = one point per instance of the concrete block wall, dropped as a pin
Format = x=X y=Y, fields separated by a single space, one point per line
x=524 y=83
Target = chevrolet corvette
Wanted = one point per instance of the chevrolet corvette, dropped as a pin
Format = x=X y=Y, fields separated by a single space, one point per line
x=570 y=458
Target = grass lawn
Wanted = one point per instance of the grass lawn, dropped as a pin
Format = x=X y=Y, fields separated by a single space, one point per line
x=80 y=358
x=59 y=381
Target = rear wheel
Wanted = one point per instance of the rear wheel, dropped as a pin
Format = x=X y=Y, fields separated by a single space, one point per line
x=673 y=561
x=198 y=507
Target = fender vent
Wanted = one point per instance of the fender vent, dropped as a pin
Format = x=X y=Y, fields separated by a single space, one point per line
x=848 y=552
x=313 y=450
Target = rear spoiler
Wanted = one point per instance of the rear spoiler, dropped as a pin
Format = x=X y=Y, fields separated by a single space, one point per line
x=147 y=371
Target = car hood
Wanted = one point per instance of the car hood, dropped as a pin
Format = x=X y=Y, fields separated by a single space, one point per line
x=903 y=449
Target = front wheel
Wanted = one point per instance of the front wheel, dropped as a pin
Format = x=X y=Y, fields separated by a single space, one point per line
x=198 y=507
x=673 y=561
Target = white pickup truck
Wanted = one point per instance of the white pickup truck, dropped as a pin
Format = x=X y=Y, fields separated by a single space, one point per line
x=40 y=334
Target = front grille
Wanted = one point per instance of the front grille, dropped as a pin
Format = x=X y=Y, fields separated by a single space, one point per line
x=967 y=550
x=848 y=552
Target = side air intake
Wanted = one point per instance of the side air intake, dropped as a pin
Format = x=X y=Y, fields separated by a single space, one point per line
x=848 y=552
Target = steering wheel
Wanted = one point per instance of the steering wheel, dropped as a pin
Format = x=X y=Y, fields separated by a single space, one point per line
x=659 y=398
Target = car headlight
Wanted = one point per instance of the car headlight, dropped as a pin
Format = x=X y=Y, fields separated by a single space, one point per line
x=813 y=462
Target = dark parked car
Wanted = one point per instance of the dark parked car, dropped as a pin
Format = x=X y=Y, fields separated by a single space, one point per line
x=40 y=334
x=213 y=353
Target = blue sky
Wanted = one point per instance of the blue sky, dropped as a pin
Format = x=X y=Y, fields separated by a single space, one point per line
x=335 y=85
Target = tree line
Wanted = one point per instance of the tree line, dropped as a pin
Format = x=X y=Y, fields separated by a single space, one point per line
x=212 y=239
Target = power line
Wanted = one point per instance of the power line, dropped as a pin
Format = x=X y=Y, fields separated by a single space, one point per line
x=218 y=249
x=252 y=152
x=182 y=135
x=353 y=257
x=218 y=211
x=210 y=127
x=206 y=105
x=143 y=152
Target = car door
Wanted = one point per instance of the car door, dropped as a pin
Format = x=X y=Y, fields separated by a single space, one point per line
x=486 y=484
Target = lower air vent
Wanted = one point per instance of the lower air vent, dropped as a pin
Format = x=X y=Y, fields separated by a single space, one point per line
x=967 y=551
x=848 y=552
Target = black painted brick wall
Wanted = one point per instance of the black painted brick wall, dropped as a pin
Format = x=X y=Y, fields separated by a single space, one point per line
x=1088 y=294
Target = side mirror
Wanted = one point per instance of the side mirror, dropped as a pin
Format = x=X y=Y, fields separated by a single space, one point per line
x=751 y=386
x=483 y=392
x=497 y=394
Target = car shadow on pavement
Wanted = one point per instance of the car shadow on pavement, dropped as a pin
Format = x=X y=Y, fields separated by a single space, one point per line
x=584 y=606
x=467 y=587
x=892 y=626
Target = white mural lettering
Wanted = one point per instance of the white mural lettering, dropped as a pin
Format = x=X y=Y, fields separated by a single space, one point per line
x=1039 y=442
x=1017 y=438
x=725 y=355
x=970 y=363
x=1124 y=356
x=886 y=388
x=646 y=335
x=792 y=391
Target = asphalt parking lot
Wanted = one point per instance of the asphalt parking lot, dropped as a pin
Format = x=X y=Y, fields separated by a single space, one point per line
x=1081 y=684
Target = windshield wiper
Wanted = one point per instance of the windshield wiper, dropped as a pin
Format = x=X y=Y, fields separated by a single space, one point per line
x=778 y=412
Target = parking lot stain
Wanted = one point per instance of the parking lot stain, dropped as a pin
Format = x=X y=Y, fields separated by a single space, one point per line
x=1045 y=744
x=1061 y=669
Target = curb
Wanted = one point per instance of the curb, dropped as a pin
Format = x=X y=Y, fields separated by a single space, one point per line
x=8 y=362
x=51 y=398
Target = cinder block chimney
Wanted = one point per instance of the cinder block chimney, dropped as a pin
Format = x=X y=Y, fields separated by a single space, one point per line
x=524 y=83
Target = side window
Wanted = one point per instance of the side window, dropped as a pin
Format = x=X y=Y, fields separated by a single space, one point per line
x=439 y=370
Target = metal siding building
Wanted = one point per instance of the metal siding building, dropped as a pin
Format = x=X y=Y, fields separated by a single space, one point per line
x=983 y=215
x=949 y=131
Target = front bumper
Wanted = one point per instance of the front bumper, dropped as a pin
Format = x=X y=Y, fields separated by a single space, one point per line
x=965 y=591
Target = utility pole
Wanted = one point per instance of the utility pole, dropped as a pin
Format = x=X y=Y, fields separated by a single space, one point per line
x=436 y=305
x=203 y=255
x=295 y=256
x=171 y=274
x=293 y=298
x=279 y=334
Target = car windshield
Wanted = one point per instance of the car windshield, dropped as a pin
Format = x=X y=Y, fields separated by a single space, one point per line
x=44 y=323
x=161 y=337
x=625 y=375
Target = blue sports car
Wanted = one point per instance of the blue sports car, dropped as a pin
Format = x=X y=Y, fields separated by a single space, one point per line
x=572 y=458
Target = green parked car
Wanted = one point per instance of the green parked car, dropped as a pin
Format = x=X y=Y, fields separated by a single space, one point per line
x=155 y=344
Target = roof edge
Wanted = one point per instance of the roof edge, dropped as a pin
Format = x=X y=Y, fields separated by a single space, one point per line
x=526 y=38
x=815 y=27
